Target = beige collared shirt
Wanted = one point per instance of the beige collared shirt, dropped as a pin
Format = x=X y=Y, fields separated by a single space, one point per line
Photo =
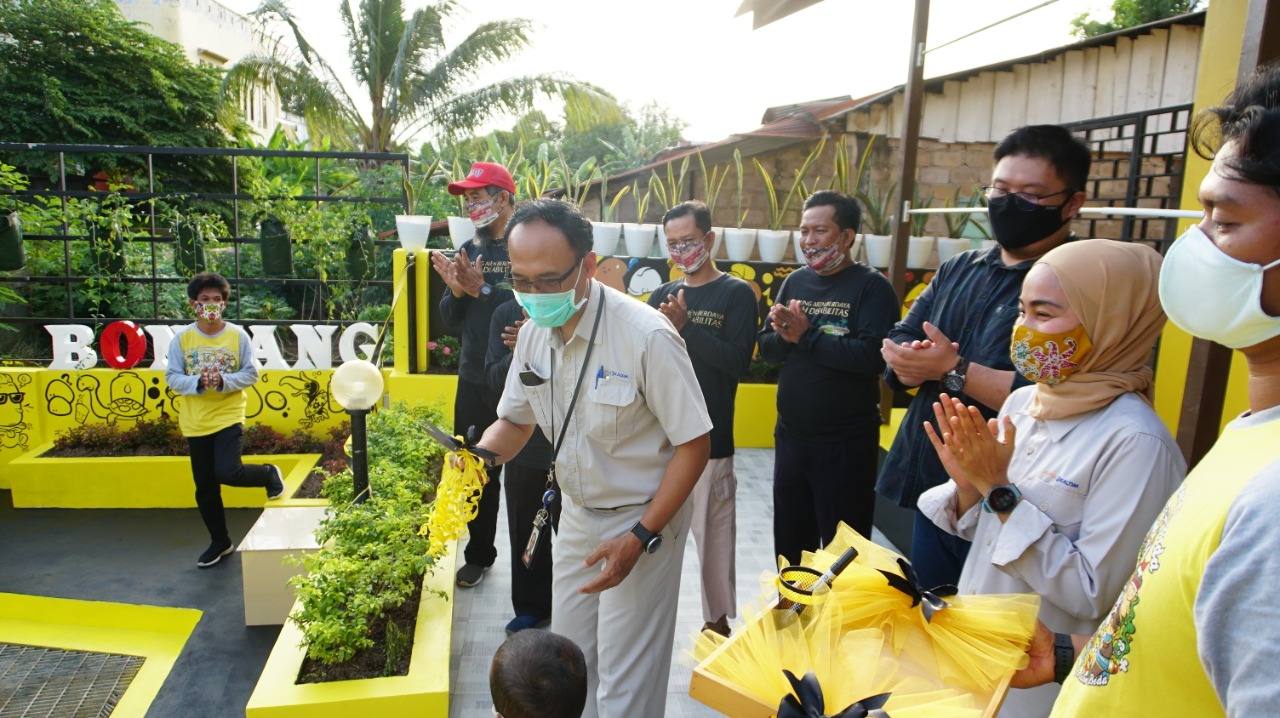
x=1092 y=485
x=639 y=399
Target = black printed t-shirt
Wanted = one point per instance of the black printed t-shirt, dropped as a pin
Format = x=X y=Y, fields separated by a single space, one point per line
x=468 y=317
x=720 y=337
x=829 y=385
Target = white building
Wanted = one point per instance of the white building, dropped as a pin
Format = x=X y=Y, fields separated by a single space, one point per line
x=214 y=35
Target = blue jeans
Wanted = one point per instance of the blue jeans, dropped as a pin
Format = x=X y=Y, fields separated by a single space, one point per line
x=937 y=556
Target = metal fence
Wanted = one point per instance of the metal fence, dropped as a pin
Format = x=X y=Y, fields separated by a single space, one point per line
x=1138 y=161
x=239 y=253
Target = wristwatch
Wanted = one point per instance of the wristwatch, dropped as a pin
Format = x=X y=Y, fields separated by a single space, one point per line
x=486 y=290
x=648 y=539
x=1002 y=499
x=953 y=381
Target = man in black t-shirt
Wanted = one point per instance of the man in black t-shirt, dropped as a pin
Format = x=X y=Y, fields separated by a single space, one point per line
x=716 y=315
x=826 y=330
x=475 y=278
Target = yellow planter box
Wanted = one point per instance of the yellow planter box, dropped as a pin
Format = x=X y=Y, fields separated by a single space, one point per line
x=138 y=482
x=424 y=692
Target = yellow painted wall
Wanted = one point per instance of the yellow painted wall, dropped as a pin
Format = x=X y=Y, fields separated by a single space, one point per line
x=1216 y=76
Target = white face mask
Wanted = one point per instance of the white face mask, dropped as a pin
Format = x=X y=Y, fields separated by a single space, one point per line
x=1214 y=296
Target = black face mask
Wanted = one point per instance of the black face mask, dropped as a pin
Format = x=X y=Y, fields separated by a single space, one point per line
x=1018 y=223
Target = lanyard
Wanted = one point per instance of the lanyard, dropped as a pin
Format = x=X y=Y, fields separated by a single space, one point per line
x=573 y=402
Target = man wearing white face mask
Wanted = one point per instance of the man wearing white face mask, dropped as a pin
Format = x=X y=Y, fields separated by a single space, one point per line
x=1195 y=631
x=210 y=365
x=716 y=315
x=474 y=281
x=826 y=329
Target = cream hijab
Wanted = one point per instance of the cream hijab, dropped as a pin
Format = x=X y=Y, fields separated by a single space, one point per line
x=1112 y=286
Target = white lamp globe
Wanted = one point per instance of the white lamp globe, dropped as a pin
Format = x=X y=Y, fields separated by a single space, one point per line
x=356 y=385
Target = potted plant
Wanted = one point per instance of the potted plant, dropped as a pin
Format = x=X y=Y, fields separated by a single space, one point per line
x=639 y=236
x=411 y=229
x=955 y=242
x=108 y=221
x=919 y=247
x=774 y=240
x=605 y=233
x=669 y=194
x=739 y=242
x=12 y=254
x=877 y=218
x=712 y=184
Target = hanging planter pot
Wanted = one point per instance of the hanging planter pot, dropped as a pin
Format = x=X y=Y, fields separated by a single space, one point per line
x=604 y=238
x=878 y=250
x=773 y=244
x=188 y=250
x=12 y=254
x=277 y=253
x=106 y=248
x=639 y=239
x=740 y=243
x=359 y=253
x=919 y=251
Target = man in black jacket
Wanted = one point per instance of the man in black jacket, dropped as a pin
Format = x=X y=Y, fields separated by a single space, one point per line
x=826 y=330
x=474 y=278
x=524 y=485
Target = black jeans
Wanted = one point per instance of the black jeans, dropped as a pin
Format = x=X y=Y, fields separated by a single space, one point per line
x=215 y=460
x=818 y=484
x=937 y=556
x=474 y=405
x=530 y=587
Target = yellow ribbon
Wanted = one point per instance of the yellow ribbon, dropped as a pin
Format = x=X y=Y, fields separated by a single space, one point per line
x=462 y=478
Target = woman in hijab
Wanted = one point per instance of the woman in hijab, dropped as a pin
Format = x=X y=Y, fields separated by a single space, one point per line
x=1057 y=493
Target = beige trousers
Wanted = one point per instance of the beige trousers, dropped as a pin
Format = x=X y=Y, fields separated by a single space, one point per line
x=627 y=632
x=715 y=532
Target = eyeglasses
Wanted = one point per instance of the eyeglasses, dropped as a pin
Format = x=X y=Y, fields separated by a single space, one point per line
x=15 y=397
x=990 y=193
x=544 y=285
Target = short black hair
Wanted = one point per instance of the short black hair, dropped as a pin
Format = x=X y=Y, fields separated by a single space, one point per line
x=538 y=674
x=564 y=216
x=701 y=214
x=1066 y=152
x=204 y=280
x=1249 y=118
x=848 y=213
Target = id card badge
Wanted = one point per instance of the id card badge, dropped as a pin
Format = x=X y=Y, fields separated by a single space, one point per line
x=540 y=521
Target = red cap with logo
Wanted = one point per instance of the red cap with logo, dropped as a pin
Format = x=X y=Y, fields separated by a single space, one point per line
x=484 y=174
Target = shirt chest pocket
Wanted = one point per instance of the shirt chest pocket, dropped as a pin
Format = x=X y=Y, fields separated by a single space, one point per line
x=609 y=400
x=1060 y=497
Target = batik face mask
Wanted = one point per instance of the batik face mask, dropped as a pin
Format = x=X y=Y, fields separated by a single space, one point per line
x=690 y=256
x=1048 y=358
x=482 y=213
x=822 y=259
x=210 y=311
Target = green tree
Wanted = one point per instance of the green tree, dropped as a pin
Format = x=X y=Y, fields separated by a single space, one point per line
x=76 y=71
x=414 y=82
x=1129 y=13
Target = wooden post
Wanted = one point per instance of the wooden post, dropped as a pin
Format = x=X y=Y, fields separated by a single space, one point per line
x=1206 y=389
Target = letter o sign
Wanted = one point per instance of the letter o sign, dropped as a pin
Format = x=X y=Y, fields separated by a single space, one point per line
x=128 y=333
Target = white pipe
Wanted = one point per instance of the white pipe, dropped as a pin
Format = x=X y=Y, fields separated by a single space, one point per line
x=1116 y=211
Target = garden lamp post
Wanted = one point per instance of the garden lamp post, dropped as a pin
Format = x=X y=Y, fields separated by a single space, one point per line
x=357 y=386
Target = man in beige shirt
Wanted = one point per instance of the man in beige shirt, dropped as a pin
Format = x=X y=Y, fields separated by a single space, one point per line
x=609 y=381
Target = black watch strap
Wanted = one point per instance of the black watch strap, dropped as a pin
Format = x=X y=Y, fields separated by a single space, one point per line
x=1064 y=656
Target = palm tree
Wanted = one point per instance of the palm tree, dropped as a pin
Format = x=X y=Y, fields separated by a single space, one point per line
x=414 y=82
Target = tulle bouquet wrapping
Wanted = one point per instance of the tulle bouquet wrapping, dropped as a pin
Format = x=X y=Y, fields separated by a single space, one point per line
x=462 y=478
x=873 y=631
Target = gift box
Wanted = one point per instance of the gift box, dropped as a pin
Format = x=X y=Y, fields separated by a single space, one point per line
x=869 y=633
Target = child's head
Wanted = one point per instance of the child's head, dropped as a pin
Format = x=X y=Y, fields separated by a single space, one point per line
x=538 y=674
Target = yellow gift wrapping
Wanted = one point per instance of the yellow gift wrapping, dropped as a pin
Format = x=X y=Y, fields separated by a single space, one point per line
x=874 y=630
x=462 y=478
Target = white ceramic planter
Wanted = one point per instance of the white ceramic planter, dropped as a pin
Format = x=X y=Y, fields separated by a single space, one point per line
x=878 y=249
x=461 y=229
x=663 y=250
x=739 y=243
x=413 y=229
x=948 y=248
x=919 y=250
x=604 y=238
x=773 y=244
x=855 y=249
x=718 y=243
x=639 y=239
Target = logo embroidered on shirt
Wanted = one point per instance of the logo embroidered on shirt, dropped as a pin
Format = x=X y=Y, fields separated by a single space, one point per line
x=1067 y=482
x=603 y=374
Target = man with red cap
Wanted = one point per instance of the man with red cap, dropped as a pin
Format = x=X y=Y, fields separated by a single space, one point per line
x=475 y=279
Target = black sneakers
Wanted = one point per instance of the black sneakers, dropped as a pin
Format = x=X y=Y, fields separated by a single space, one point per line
x=470 y=575
x=216 y=551
x=275 y=485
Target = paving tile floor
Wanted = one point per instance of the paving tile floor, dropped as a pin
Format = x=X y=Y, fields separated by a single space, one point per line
x=480 y=614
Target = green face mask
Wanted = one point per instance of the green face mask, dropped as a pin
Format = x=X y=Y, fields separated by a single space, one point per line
x=551 y=310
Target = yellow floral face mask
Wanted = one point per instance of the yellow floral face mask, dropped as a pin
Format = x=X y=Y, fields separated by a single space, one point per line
x=1048 y=358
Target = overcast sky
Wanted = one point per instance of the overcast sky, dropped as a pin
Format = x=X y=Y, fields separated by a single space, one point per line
x=716 y=73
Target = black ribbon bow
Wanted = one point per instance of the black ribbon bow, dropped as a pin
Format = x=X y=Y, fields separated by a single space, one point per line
x=810 y=703
x=930 y=600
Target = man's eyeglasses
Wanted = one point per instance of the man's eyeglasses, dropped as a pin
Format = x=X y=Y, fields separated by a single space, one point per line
x=990 y=193
x=542 y=285
x=15 y=397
